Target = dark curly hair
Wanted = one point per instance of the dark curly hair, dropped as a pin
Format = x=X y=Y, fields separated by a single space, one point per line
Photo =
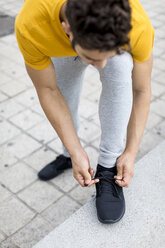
x=99 y=24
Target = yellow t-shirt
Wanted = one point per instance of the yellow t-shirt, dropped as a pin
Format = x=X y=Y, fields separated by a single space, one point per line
x=40 y=35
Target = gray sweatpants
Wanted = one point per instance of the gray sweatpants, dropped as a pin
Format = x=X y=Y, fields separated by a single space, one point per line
x=115 y=100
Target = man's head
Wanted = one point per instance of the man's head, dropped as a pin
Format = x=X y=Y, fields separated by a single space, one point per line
x=98 y=28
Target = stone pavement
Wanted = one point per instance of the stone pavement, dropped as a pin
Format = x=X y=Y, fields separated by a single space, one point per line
x=29 y=208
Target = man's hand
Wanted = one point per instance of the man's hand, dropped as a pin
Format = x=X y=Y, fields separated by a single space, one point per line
x=125 y=169
x=82 y=171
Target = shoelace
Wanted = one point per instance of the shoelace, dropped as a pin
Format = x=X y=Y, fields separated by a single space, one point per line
x=107 y=187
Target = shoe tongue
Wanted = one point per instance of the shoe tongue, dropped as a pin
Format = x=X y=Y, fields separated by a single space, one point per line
x=106 y=185
x=108 y=173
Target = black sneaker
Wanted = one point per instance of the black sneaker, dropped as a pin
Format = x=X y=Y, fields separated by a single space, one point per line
x=55 y=168
x=110 y=202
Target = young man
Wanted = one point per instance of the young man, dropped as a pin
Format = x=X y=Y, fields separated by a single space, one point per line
x=58 y=40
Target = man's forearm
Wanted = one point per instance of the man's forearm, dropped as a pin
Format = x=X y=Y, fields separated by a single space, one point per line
x=59 y=115
x=137 y=122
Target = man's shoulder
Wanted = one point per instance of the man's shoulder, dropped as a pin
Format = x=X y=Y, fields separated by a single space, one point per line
x=33 y=13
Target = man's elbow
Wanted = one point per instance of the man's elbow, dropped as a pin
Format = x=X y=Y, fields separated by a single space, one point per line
x=143 y=94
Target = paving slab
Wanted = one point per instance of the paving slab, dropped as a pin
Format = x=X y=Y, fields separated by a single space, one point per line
x=40 y=158
x=7 y=24
x=2 y=237
x=13 y=215
x=58 y=213
x=9 y=131
x=65 y=181
x=17 y=177
x=31 y=233
x=40 y=195
x=143 y=225
x=21 y=146
x=26 y=119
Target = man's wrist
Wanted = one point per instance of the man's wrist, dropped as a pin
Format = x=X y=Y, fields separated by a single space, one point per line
x=76 y=152
x=130 y=153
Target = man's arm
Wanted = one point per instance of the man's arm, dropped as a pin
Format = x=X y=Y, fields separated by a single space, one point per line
x=141 y=79
x=59 y=115
x=55 y=106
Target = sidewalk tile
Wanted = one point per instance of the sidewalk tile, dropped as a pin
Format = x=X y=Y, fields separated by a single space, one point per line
x=8 y=244
x=56 y=145
x=13 y=88
x=3 y=97
x=155 y=72
x=153 y=120
x=21 y=146
x=14 y=71
x=94 y=119
x=161 y=18
x=37 y=108
x=90 y=72
x=158 y=62
x=96 y=143
x=87 y=108
x=83 y=194
x=9 y=131
x=157 y=51
x=162 y=97
x=9 y=39
x=91 y=85
x=25 y=80
x=43 y=132
x=93 y=156
x=158 y=107
x=60 y=211
x=9 y=52
x=10 y=108
x=7 y=158
x=160 y=129
x=10 y=210
x=2 y=237
x=4 y=193
x=65 y=181
x=149 y=141
x=40 y=158
x=4 y=78
x=160 y=78
x=18 y=177
x=94 y=96
x=26 y=119
x=40 y=195
x=88 y=131
x=157 y=89
x=28 y=98
x=156 y=23
x=160 y=33
x=32 y=233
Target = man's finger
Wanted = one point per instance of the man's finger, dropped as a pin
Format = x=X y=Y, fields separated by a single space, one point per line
x=93 y=182
x=123 y=183
x=80 y=180
x=87 y=178
x=91 y=171
x=119 y=172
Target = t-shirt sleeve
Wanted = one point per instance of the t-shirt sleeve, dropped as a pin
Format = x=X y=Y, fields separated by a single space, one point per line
x=32 y=56
x=143 y=42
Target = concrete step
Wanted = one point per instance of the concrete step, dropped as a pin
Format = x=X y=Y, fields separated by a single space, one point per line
x=143 y=225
